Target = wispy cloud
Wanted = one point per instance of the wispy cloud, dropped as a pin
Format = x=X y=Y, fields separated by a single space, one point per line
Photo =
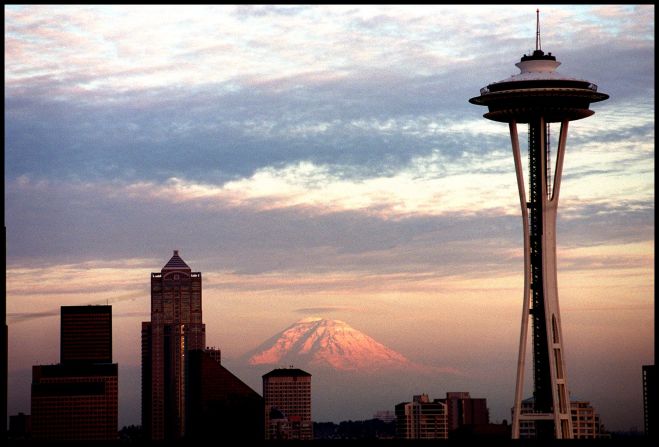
x=322 y=310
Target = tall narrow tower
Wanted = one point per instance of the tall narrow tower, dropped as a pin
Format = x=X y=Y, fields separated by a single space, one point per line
x=539 y=96
x=175 y=328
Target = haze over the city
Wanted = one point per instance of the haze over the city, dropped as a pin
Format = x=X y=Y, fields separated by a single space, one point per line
x=324 y=161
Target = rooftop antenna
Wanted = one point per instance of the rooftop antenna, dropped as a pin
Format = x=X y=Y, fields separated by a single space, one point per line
x=537 y=30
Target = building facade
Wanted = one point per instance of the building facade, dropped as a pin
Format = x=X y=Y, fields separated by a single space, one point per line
x=77 y=399
x=586 y=422
x=650 y=401
x=175 y=328
x=463 y=411
x=75 y=402
x=287 y=398
x=86 y=334
x=422 y=419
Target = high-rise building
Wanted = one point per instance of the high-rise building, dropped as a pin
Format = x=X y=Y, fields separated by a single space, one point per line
x=220 y=406
x=175 y=328
x=539 y=96
x=86 y=334
x=287 y=396
x=75 y=402
x=650 y=401
x=422 y=419
x=78 y=398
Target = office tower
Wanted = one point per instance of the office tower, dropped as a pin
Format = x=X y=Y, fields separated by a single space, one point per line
x=586 y=422
x=539 y=96
x=75 y=402
x=463 y=410
x=287 y=396
x=220 y=406
x=86 y=334
x=650 y=401
x=422 y=419
x=77 y=399
x=175 y=328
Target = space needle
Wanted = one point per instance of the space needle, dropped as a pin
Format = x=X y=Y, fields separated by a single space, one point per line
x=538 y=96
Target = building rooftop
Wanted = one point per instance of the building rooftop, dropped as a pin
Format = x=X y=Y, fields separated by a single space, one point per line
x=176 y=263
x=287 y=372
x=78 y=370
x=88 y=309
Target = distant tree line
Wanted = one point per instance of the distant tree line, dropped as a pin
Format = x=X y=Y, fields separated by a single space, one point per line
x=368 y=429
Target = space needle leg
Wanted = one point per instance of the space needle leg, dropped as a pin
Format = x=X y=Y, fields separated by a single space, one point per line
x=519 y=387
x=562 y=412
x=559 y=162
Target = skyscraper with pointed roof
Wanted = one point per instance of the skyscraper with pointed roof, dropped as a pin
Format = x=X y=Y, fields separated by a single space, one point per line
x=175 y=328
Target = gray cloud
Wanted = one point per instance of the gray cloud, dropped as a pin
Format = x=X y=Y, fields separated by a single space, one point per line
x=595 y=224
x=82 y=225
x=321 y=310
x=227 y=130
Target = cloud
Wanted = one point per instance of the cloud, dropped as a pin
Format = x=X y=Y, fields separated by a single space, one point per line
x=427 y=186
x=409 y=39
x=321 y=310
x=211 y=107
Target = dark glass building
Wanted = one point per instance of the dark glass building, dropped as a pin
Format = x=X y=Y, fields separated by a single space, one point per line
x=463 y=410
x=86 y=334
x=75 y=402
x=650 y=401
x=77 y=399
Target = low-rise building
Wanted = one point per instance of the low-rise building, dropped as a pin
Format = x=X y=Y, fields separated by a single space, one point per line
x=422 y=419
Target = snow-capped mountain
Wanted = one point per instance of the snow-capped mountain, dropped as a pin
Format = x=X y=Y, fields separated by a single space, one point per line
x=321 y=342
x=353 y=374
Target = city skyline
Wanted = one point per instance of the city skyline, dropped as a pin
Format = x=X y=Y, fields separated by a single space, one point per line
x=324 y=161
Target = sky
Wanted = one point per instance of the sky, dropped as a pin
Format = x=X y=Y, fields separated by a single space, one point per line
x=325 y=161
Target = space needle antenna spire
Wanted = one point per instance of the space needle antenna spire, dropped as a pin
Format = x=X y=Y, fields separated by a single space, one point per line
x=538 y=46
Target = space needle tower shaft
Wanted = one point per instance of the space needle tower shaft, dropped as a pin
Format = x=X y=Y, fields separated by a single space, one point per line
x=539 y=96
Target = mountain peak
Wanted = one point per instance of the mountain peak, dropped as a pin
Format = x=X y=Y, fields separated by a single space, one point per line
x=323 y=342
